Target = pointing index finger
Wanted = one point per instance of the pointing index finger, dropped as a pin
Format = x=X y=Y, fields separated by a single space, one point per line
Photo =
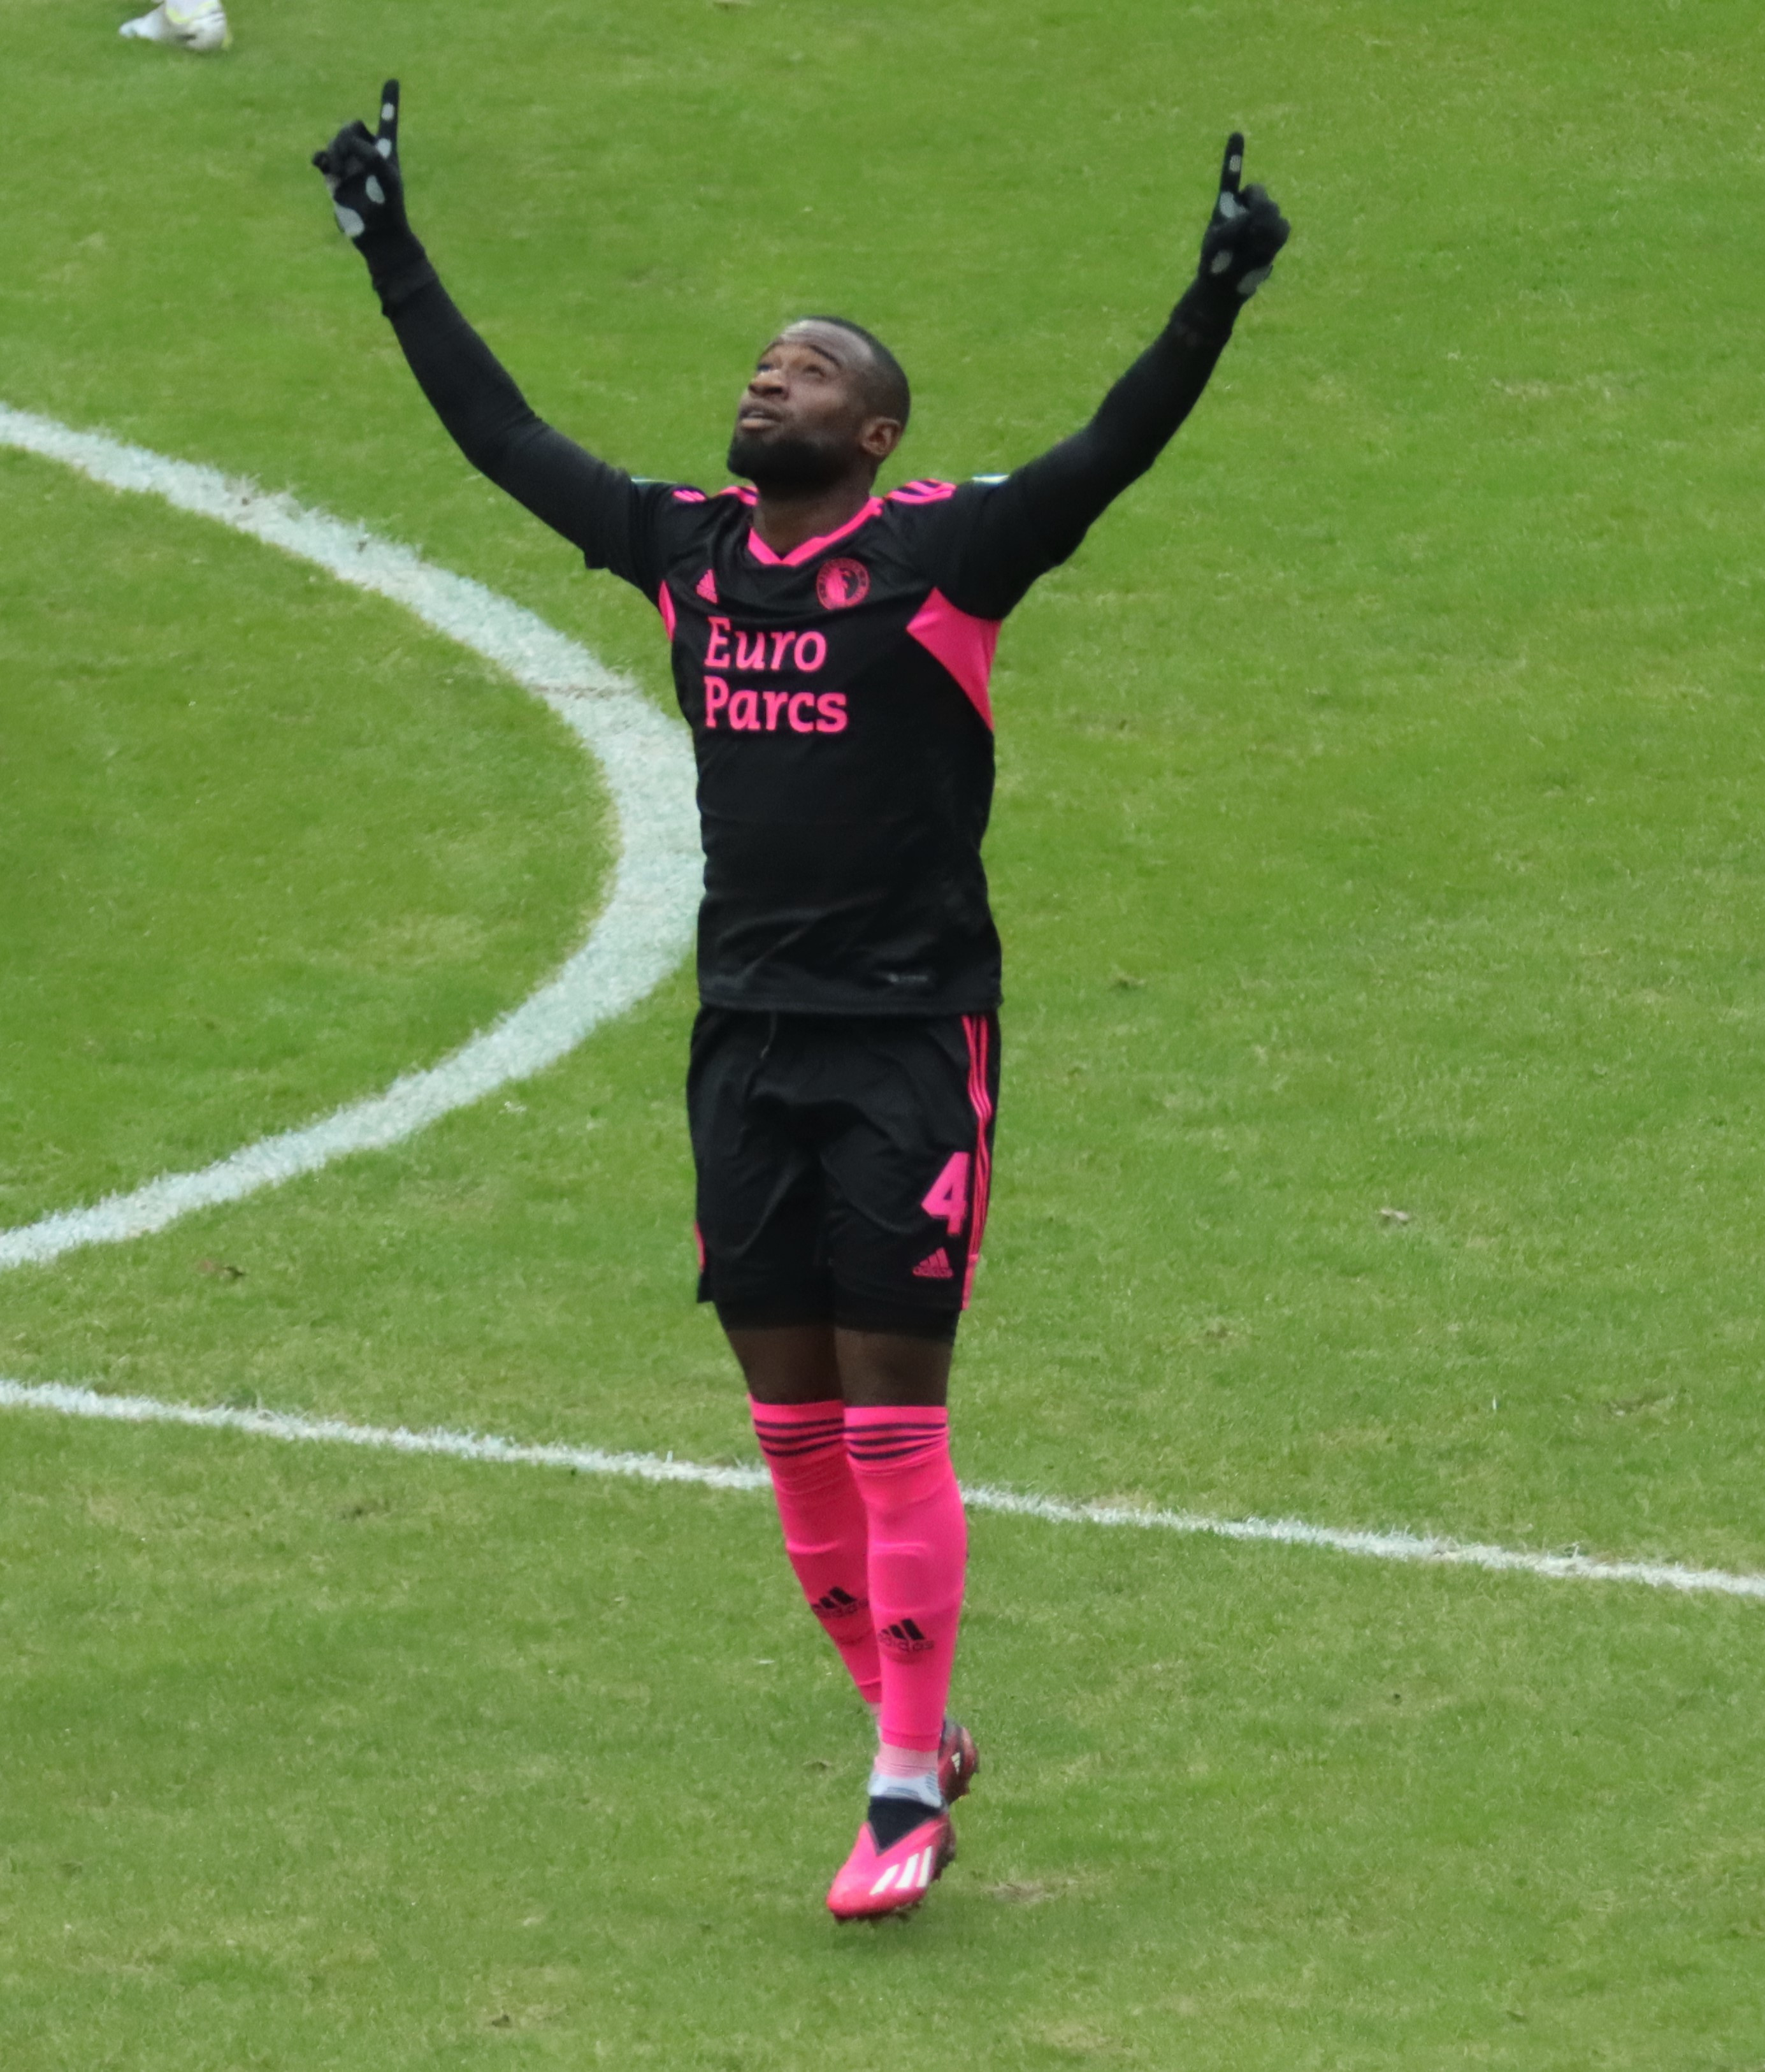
x=1232 y=171
x=386 y=137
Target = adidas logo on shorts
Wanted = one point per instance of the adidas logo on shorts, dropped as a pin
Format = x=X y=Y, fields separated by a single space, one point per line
x=934 y=1267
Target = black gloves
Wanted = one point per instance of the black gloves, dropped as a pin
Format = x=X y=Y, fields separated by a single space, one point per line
x=1245 y=231
x=1238 y=247
x=361 y=170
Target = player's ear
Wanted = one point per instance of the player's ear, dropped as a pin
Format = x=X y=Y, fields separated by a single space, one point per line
x=880 y=437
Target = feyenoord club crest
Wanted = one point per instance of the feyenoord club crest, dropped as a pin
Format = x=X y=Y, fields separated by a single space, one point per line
x=842 y=582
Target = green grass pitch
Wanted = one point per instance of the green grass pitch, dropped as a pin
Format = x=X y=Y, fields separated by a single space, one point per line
x=1378 y=828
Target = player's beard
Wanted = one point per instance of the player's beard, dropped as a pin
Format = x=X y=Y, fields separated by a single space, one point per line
x=789 y=467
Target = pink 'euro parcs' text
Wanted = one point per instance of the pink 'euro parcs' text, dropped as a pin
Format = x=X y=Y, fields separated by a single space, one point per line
x=747 y=711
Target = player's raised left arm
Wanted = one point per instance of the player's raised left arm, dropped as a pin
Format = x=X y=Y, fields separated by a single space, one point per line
x=1035 y=518
x=592 y=505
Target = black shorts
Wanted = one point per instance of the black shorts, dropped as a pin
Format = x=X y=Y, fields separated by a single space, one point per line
x=843 y=1166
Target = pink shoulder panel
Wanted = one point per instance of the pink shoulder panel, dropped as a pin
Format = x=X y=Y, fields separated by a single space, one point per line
x=962 y=643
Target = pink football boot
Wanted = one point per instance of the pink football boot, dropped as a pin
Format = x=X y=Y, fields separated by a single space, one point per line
x=959 y=1761
x=873 y=1881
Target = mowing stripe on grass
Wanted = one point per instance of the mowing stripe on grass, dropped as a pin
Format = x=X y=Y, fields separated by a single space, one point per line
x=646 y=759
x=68 y=1402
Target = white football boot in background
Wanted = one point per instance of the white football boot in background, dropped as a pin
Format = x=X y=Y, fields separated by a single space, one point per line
x=195 y=25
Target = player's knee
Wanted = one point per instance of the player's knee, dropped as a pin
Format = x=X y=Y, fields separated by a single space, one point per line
x=895 y=1367
x=782 y=1362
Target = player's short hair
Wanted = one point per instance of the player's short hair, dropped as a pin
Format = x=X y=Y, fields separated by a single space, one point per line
x=889 y=394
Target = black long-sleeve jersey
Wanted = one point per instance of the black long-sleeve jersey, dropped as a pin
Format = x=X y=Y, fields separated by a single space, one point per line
x=838 y=694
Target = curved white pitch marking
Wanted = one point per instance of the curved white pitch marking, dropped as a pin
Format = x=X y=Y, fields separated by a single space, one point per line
x=642 y=931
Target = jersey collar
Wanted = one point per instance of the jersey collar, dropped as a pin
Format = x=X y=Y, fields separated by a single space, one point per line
x=809 y=548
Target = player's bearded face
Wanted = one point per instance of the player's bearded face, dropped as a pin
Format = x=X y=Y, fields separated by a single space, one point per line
x=788 y=461
x=797 y=423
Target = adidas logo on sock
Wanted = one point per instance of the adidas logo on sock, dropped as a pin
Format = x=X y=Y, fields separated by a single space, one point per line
x=706 y=587
x=935 y=1268
x=838 y=1604
x=903 y=1638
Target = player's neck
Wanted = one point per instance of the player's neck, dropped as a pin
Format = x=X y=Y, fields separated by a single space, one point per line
x=785 y=519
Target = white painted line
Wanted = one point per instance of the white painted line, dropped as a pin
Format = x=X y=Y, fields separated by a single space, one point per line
x=642 y=931
x=331 y=1431
x=68 y=1402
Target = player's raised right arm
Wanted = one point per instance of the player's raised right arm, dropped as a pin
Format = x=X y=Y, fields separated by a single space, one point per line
x=488 y=418
x=996 y=546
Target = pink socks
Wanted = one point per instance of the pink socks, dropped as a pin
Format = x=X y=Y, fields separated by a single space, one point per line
x=874 y=1528
x=918 y=1554
x=825 y=1534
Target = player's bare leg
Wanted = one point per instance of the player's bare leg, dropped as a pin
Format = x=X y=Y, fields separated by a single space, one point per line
x=788 y=1363
x=807 y=1363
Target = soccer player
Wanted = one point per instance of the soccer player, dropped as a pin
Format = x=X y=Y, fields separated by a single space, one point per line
x=831 y=651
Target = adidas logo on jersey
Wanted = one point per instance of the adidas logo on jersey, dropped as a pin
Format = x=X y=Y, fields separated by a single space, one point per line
x=935 y=1268
x=706 y=587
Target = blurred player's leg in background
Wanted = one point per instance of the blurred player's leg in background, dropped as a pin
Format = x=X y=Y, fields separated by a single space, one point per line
x=193 y=25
